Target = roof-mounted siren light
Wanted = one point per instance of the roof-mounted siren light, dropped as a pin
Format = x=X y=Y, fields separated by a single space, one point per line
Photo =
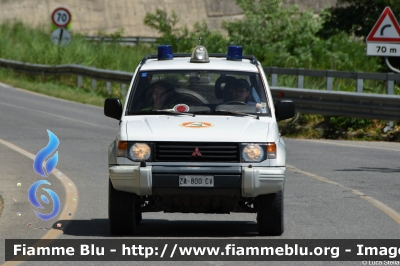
x=199 y=55
x=235 y=53
x=165 y=52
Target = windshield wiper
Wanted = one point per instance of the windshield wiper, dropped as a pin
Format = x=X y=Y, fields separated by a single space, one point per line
x=167 y=111
x=237 y=113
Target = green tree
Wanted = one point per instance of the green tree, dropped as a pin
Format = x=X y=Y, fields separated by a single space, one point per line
x=276 y=35
x=181 y=38
x=355 y=16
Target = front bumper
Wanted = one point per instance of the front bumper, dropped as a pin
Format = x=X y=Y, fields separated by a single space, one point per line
x=143 y=181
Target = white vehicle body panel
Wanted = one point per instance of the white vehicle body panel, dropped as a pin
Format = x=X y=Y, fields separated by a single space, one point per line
x=223 y=128
x=215 y=64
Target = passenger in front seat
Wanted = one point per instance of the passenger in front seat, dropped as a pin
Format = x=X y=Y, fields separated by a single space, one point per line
x=160 y=92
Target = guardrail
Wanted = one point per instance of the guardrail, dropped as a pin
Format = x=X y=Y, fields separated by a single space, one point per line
x=337 y=103
x=330 y=75
x=359 y=104
x=122 y=40
x=70 y=69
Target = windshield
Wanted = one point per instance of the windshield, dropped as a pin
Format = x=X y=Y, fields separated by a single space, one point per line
x=198 y=92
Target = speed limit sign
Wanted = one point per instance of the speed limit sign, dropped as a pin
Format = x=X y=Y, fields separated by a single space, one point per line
x=61 y=17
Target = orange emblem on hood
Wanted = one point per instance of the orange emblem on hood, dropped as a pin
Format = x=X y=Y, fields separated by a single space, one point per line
x=196 y=124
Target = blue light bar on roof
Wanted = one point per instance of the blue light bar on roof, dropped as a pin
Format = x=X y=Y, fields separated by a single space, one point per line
x=165 y=52
x=235 y=53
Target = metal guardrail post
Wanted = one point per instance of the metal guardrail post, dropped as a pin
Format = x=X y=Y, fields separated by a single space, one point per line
x=123 y=90
x=274 y=77
x=360 y=83
x=79 y=81
x=329 y=81
x=389 y=84
x=108 y=86
x=389 y=91
x=94 y=84
x=300 y=79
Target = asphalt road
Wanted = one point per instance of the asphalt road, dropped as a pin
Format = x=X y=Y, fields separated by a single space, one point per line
x=334 y=189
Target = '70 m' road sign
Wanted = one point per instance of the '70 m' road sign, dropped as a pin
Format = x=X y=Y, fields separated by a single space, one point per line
x=383 y=49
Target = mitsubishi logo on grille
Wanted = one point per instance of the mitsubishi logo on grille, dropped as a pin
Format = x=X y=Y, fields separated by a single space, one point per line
x=196 y=152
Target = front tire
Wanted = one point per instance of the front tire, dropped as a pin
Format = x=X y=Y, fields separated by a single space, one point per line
x=270 y=214
x=121 y=211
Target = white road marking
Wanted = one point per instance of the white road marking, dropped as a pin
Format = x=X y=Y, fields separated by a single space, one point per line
x=380 y=205
x=46 y=96
x=58 y=116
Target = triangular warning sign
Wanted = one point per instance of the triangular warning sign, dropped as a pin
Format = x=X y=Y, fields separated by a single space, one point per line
x=386 y=29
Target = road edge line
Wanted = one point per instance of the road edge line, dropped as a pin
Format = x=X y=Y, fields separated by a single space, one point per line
x=378 y=204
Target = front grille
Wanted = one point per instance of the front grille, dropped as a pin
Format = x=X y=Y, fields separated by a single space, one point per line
x=196 y=152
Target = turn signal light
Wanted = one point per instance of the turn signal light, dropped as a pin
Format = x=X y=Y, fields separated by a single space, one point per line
x=122 y=147
x=271 y=151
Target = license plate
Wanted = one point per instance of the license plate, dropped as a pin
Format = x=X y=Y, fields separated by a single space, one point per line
x=196 y=181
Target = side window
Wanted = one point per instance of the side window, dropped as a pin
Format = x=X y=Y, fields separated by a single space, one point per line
x=140 y=96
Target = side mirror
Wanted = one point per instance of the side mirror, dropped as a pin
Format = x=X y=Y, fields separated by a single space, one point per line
x=113 y=108
x=284 y=109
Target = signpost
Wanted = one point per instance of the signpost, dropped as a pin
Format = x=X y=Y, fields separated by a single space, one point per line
x=61 y=37
x=384 y=40
x=61 y=18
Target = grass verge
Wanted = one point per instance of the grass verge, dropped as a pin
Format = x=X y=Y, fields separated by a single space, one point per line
x=52 y=87
x=26 y=44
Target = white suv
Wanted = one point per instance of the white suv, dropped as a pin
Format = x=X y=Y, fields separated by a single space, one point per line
x=198 y=133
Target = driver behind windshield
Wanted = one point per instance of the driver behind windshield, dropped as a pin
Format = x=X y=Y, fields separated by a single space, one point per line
x=241 y=92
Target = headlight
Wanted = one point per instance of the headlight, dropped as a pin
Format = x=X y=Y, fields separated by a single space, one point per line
x=140 y=152
x=253 y=153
